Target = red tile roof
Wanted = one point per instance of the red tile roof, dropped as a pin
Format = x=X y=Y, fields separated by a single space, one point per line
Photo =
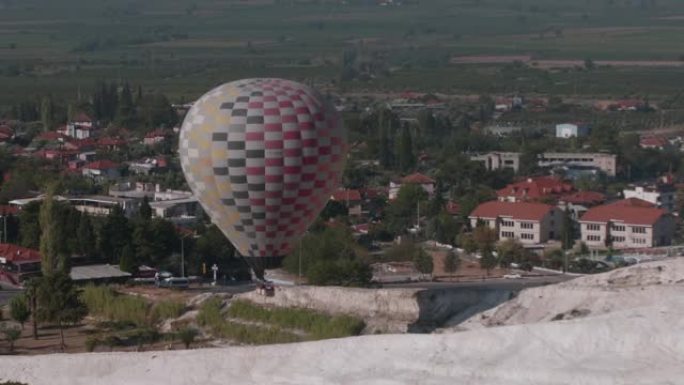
x=101 y=165
x=632 y=211
x=82 y=117
x=417 y=178
x=453 y=208
x=516 y=210
x=110 y=141
x=653 y=141
x=18 y=254
x=51 y=136
x=158 y=133
x=584 y=198
x=536 y=188
x=8 y=210
x=345 y=194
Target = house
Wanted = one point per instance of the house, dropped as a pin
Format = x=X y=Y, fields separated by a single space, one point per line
x=51 y=136
x=571 y=130
x=149 y=166
x=6 y=133
x=156 y=136
x=101 y=170
x=18 y=263
x=530 y=223
x=661 y=194
x=453 y=208
x=427 y=183
x=111 y=143
x=498 y=160
x=80 y=127
x=502 y=129
x=535 y=189
x=607 y=163
x=629 y=223
x=579 y=202
x=654 y=142
x=350 y=198
x=181 y=211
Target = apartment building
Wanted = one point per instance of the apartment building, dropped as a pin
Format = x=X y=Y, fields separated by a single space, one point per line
x=530 y=223
x=604 y=162
x=629 y=223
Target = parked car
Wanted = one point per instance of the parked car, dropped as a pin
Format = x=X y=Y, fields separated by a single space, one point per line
x=175 y=282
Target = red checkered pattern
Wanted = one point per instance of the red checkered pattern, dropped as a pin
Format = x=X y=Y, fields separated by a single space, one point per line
x=285 y=154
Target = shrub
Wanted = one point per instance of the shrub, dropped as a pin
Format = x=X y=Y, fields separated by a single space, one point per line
x=187 y=336
x=167 y=310
x=91 y=343
x=209 y=314
x=318 y=325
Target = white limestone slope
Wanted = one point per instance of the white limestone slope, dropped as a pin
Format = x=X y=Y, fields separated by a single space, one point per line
x=633 y=342
x=648 y=284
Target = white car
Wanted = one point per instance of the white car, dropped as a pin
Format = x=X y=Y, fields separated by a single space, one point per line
x=512 y=276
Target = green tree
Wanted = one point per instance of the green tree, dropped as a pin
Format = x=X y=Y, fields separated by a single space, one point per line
x=11 y=335
x=484 y=237
x=330 y=257
x=125 y=115
x=59 y=302
x=187 y=336
x=407 y=159
x=114 y=235
x=452 y=262
x=145 y=211
x=47 y=113
x=127 y=260
x=510 y=251
x=19 y=309
x=567 y=231
x=423 y=261
x=444 y=228
x=29 y=226
x=86 y=236
x=49 y=234
x=488 y=261
x=402 y=212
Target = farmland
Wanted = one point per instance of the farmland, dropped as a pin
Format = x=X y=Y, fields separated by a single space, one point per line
x=183 y=47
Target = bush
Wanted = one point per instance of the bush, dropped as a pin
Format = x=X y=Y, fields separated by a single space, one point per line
x=317 y=325
x=187 y=336
x=103 y=301
x=254 y=335
x=91 y=343
x=167 y=310
x=209 y=314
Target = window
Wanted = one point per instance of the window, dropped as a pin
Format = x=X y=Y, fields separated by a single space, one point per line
x=593 y=227
x=507 y=234
x=526 y=236
x=526 y=225
x=506 y=223
x=638 y=230
x=639 y=241
x=594 y=238
x=618 y=227
x=618 y=239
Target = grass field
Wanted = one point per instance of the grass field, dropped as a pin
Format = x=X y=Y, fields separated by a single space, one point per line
x=183 y=47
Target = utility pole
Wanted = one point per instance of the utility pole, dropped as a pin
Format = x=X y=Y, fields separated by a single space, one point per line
x=299 y=279
x=182 y=257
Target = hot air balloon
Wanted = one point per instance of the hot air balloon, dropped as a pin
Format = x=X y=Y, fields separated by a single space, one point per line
x=263 y=157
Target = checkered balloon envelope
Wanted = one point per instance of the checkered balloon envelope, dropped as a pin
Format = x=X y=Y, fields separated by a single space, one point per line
x=263 y=157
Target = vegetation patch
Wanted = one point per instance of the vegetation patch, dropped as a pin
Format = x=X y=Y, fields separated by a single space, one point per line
x=248 y=323
x=105 y=302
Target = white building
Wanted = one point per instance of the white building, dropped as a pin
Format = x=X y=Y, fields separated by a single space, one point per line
x=498 y=160
x=427 y=183
x=661 y=195
x=604 y=162
x=629 y=223
x=571 y=130
x=530 y=223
